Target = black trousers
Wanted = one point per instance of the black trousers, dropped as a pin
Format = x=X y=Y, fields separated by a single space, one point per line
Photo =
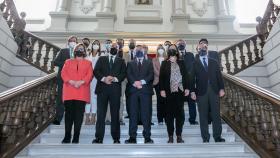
x=59 y=102
x=140 y=104
x=74 y=114
x=209 y=101
x=175 y=111
x=160 y=104
x=103 y=99
x=192 y=109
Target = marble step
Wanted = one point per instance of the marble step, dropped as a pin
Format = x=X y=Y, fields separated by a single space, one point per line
x=86 y=129
x=137 y=149
x=205 y=155
x=159 y=138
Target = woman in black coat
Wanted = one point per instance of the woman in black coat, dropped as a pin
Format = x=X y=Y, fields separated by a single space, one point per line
x=174 y=87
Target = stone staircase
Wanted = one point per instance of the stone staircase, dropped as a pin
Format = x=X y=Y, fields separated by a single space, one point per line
x=48 y=144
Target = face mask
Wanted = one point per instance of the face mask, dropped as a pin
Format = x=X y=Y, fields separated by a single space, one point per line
x=172 y=52
x=79 y=53
x=181 y=47
x=113 y=51
x=120 y=45
x=202 y=52
x=160 y=52
x=72 y=44
x=131 y=46
x=139 y=54
x=95 y=47
x=172 y=59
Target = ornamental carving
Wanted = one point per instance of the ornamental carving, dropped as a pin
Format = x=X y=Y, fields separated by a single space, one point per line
x=87 y=5
x=199 y=6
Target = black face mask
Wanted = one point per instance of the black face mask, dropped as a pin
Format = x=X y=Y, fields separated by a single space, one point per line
x=113 y=51
x=79 y=54
x=131 y=46
x=172 y=52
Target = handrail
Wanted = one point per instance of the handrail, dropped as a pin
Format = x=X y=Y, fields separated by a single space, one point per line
x=26 y=111
x=254 y=114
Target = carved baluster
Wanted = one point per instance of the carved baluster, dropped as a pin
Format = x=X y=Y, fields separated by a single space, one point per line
x=39 y=54
x=55 y=51
x=235 y=61
x=249 y=53
x=256 y=50
x=255 y=123
x=242 y=57
x=275 y=129
x=46 y=58
x=31 y=50
x=262 y=43
x=227 y=61
x=3 y=6
x=264 y=124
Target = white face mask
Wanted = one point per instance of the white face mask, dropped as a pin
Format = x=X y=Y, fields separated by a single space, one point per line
x=72 y=44
x=95 y=47
x=160 y=52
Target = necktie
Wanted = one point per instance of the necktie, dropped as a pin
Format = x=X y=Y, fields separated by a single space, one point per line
x=205 y=64
x=139 y=65
x=131 y=56
x=111 y=62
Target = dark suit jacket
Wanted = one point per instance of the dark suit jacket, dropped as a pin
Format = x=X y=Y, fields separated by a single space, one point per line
x=60 y=59
x=146 y=73
x=102 y=69
x=165 y=72
x=201 y=77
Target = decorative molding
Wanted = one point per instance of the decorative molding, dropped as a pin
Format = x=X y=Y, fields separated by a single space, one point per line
x=88 y=5
x=200 y=7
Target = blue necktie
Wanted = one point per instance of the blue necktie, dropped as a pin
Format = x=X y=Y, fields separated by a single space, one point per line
x=205 y=64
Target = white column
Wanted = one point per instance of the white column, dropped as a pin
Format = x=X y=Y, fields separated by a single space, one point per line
x=179 y=7
x=222 y=7
x=107 y=6
x=63 y=5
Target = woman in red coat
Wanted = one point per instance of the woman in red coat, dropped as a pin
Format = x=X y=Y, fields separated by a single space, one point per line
x=77 y=74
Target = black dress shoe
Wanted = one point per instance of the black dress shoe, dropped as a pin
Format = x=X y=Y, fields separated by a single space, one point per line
x=206 y=141
x=130 y=141
x=220 y=139
x=117 y=141
x=97 y=141
x=66 y=140
x=170 y=140
x=75 y=141
x=55 y=122
x=180 y=139
x=194 y=123
x=149 y=141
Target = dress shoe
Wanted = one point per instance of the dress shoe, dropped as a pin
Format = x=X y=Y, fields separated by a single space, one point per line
x=152 y=124
x=55 y=122
x=149 y=141
x=117 y=141
x=66 y=140
x=206 y=141
x=170 y=139
x=220 y=139
x=97 y=141
x=194 y=123
x=130 y=141
x=75 y=141
x=180 y=139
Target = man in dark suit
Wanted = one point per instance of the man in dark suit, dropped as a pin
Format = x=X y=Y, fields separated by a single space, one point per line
x=188 y=59
x=63 y=55
x=140 y=75
x=109 y=71
x=209 y=86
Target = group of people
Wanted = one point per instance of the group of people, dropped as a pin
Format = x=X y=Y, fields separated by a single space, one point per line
x=94 y=81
